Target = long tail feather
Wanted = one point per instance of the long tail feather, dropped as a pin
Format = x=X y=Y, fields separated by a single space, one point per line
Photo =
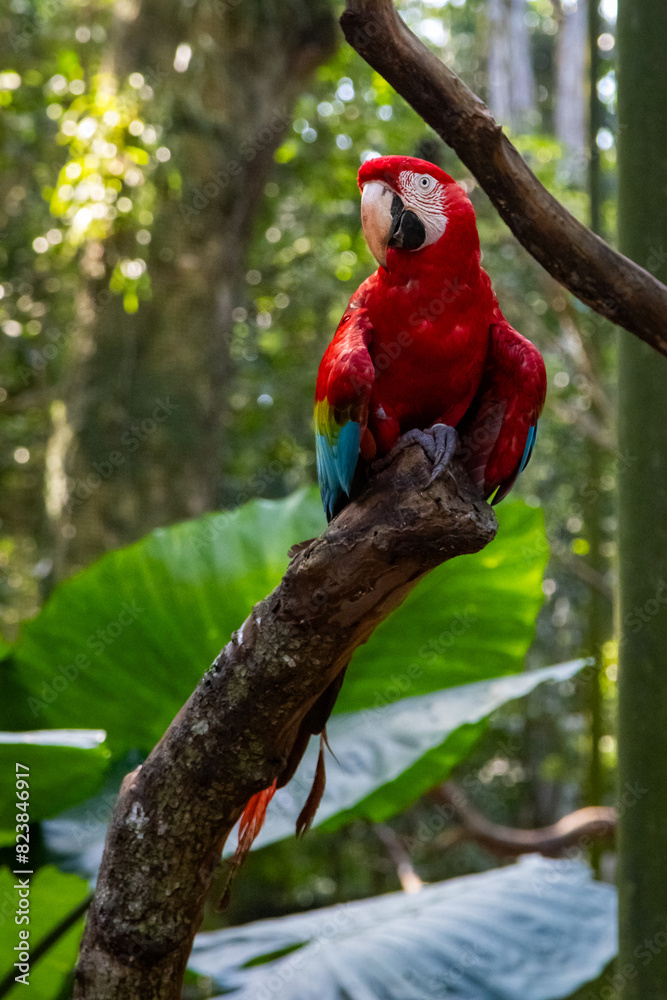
x=251 y=822
x=327 y=744
x=254 y=813
x=307 y=814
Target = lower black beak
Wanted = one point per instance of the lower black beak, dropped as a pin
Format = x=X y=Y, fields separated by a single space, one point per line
x=408 y=232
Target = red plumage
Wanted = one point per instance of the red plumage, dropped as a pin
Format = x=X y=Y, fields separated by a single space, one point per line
x=435 y=339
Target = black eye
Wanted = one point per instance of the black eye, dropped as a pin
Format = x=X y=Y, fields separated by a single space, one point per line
x=425 y=181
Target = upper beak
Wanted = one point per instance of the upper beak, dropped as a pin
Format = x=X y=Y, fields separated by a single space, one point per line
x=387 y=223
x=380 y=209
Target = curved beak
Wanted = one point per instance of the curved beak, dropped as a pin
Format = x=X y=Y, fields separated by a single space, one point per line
x=379 y=212
x=387 y=223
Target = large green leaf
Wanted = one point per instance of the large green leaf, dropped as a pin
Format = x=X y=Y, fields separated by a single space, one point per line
x=386 y=758
x=471 y=618
x=53 y=897
x=61 y=767
x=536 y=930
x=122 y=645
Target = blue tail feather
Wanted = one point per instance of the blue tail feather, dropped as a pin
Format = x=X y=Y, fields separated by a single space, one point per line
x=336 y=463
x=528 y=450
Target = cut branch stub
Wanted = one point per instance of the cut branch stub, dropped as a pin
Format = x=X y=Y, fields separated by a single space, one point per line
x=233 y=736
x=611 y=284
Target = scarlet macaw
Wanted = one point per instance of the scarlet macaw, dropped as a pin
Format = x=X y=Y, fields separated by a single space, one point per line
x=423 y=349
x=422 y=353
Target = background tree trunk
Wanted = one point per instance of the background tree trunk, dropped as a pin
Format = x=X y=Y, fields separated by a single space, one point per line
x=153 y=385
x=642 y=30
x=523 y=78
x=511 y=78
x=500 y=97
x=570 y=111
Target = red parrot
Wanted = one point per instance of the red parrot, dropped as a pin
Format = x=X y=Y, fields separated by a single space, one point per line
x=422 y=353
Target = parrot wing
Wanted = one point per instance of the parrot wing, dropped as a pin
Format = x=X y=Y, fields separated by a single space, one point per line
x=498 y=432
x=342 y=397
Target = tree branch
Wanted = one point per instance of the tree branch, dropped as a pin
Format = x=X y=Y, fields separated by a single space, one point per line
x=407 y=876
x=233 y=736
x=608 y=282
x=579 y=828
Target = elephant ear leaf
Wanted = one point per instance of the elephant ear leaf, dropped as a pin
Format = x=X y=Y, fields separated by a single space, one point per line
x=121 y=645
x=537 y=930
x=385 y=758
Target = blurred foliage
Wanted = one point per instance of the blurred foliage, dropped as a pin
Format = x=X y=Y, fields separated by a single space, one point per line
x=91 y=165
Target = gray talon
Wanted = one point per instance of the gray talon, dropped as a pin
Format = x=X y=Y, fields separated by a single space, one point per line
x=446 y=442
x=439 y=443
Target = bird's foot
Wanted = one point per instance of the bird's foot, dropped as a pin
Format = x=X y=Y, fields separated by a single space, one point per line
x=439 y=442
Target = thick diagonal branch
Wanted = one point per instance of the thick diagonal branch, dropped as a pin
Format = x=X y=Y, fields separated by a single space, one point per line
x=608 y=282
x=233 y=736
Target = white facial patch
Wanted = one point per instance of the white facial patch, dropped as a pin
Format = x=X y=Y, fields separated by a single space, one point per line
x=424 y=196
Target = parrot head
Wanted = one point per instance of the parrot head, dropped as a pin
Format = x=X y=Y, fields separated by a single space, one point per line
x=408 y=205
